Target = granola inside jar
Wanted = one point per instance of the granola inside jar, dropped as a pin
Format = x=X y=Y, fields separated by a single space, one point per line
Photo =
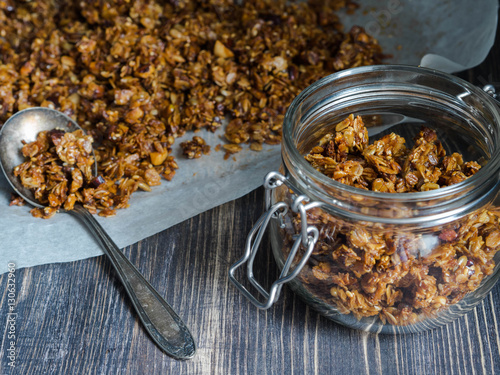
x=385 y=213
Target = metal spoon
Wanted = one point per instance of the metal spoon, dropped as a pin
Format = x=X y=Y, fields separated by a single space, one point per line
x=160 y=321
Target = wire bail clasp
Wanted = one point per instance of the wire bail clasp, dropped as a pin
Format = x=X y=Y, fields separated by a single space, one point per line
x=308 y=237
x=492 y=91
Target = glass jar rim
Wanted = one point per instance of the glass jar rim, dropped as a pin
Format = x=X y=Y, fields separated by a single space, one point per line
x=289 y=146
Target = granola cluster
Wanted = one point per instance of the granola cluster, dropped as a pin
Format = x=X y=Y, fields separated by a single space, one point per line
x=58 y=170
x=138 y=74
x=398 y=275
x=194 y=148
x=387 y=165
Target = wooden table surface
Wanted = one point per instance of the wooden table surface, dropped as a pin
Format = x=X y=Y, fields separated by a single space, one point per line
x=75 y=318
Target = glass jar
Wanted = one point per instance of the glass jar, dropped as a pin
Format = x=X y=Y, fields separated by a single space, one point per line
x=384 y=262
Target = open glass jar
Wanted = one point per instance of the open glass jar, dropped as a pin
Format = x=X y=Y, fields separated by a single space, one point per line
x=385 y=262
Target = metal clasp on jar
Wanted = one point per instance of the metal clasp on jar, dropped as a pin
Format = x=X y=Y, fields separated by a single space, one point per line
x=492 y=91
x=308 y=237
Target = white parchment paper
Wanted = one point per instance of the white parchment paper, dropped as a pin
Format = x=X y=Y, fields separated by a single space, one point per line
x=450 y=35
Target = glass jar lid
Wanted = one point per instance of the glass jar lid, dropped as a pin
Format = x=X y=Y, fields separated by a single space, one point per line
x=401 y=99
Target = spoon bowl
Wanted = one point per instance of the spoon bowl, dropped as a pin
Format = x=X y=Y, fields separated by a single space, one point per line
x=158 y=318
x=25 y=126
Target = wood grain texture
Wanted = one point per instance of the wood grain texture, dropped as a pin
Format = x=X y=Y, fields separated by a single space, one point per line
x=75 y=318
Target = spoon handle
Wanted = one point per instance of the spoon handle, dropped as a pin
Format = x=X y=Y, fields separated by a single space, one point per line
x=162 y=323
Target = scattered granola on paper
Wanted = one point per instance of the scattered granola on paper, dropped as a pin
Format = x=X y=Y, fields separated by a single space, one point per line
x=195 y=148
x=137 y=75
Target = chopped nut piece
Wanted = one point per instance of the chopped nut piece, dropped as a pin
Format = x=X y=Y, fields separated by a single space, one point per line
x=157 y=158
x=220 y=50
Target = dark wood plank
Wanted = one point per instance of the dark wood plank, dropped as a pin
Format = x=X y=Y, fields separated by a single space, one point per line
x=75 y=317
